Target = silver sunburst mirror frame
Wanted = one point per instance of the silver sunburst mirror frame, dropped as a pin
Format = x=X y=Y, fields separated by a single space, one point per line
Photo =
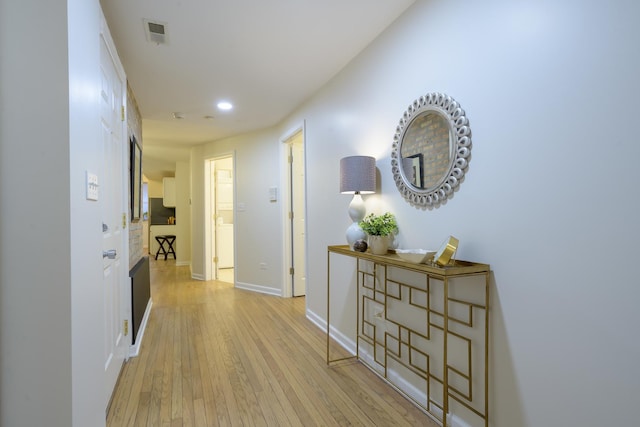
x=431 y=150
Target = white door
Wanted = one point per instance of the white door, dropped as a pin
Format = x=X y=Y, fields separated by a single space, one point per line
x=224 y=213
x=298 y=236
x=219 y=229
x=113 y=210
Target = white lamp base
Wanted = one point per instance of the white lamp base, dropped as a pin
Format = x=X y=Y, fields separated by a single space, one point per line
x=357 y=211
x=355 y=233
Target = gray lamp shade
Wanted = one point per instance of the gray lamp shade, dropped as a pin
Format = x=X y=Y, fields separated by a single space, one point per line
x=358 y=175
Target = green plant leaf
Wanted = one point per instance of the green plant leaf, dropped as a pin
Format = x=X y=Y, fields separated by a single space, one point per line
x=379 y=225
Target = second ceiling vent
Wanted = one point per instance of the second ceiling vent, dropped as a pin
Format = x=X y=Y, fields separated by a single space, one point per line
x=156 y=32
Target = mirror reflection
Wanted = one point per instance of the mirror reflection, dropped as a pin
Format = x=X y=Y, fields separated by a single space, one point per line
x=431 y=150
x=426 y=150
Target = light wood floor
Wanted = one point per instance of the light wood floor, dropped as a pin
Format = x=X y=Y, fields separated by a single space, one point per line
x=213 y=355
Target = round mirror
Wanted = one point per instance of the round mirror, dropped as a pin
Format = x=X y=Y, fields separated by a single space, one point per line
x=431 y=150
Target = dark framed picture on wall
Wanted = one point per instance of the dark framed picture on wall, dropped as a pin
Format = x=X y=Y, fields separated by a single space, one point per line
x=135 y=179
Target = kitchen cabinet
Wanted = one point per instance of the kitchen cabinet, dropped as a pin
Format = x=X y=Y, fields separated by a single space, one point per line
x=169 y=192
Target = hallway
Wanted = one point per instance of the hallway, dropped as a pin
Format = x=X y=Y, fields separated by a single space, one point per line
x=213 y=355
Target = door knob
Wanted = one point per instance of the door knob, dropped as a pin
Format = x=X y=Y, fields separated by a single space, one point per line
x=111 y=254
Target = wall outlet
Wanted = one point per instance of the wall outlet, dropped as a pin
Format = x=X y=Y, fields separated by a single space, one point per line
x=263 y=266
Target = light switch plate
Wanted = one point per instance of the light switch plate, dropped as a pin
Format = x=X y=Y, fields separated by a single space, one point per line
x=273 y=194
x=92 y=186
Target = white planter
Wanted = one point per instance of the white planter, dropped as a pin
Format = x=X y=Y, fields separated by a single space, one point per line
x=379 y=245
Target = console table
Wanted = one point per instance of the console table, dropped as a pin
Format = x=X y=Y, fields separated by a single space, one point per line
x=424 y=329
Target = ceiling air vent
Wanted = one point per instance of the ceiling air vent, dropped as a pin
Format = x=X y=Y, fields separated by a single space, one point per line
x=156 y=32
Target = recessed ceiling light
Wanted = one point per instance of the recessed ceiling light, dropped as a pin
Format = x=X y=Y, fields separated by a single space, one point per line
x=224 y=105
x=178 y=115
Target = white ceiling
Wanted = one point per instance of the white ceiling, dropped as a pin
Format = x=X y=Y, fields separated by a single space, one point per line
x=264 y=56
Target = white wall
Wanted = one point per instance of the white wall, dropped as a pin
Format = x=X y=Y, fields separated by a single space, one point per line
x=183 y=213
x=258 y=227
x=35 y=310
x=51 y=334
x=196 y=161
x=550 y=199
x=551 y=195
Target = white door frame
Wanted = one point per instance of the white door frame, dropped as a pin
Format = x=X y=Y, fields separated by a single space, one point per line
x=287 y=279
x=209 y=210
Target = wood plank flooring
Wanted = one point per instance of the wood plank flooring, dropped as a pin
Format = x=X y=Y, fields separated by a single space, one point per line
x=213 y=355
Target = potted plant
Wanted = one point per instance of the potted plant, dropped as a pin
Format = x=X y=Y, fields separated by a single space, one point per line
x=379 y=228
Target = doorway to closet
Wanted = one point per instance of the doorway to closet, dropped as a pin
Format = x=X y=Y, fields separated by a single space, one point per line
x=220 y=235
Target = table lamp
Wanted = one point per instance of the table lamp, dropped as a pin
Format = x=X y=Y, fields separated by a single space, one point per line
x=357 y=176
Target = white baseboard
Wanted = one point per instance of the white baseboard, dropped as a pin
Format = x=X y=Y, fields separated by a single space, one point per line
x=258 y=288
x=316 y=320
x=346 y=342
x=134 y=350
x=247 y=286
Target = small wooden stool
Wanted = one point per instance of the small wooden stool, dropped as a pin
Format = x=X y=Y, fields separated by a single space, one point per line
x=168 y=239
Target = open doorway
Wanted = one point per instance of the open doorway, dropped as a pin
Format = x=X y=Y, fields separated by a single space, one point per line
x=219 y=226
x=295 y=216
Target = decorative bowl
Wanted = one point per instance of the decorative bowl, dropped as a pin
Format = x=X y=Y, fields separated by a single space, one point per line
x=416 y=256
